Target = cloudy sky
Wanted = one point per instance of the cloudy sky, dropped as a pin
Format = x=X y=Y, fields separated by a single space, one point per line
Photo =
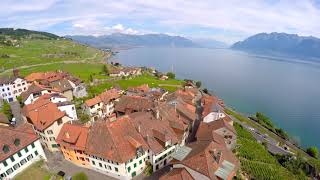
x=224 y=20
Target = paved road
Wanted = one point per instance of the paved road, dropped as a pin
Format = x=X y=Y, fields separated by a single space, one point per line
x=272 y=144
x=57 y=163
x=16 y=111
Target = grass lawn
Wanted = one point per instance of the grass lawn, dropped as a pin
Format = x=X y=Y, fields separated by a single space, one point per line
x=81 y=70
x=46 y=51
x=34 y=172
x=169 y=85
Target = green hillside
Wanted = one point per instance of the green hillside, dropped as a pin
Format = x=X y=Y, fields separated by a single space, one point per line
x=22 y=48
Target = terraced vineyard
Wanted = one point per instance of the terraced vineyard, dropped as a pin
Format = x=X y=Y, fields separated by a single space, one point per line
x=256 y=161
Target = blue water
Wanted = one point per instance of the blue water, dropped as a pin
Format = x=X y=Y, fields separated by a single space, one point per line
x=288 y=92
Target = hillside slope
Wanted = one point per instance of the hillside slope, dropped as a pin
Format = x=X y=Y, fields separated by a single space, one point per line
x=126 y=40
x=281 y=44
x=23 y=48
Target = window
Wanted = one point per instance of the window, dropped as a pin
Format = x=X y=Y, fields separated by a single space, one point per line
x=52 y=139
x=94 y=163
x=19 y=154
x=36 y=153
x=12 y=159
x=9 y=171
x=16 y=166
x=30 y=157
x=23 y=161
x=129 y=169
x=59 y=122
x=50 y=132
x=135 y=165
x=26 y=149
x=3 y=175
x=100 y=164
x=116 y=169
x=5 y=163
x=17 y=142
x=140 y=162
x=5 y=148
x=54 y=145
x=133 y=174
x=32 y=145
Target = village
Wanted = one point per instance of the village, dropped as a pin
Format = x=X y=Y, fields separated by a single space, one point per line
x=132 y=133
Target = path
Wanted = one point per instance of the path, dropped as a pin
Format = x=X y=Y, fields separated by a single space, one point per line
x=44 y=64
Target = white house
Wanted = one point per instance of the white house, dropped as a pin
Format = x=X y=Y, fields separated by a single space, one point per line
x=12 y=87
x=20 y=148
x=34 y=91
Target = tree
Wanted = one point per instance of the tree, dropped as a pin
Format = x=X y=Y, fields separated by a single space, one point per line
x=106 y=69
x=198 y=84
x=91 y=78
x=80 y=176
x=313 y=151
x=83 y=117
x=171 y=75
x=6 y=109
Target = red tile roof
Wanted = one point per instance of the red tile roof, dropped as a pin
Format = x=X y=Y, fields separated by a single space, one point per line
x=9 y=135
x=133 y=103
x=105 y=97
x=36 y=88
x=206 y=158
x=73 y=135
x=42 y=113
x=177 y=174
x=116 y=141
x=156 y=131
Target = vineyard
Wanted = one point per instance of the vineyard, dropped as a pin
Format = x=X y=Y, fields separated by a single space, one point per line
x=256 y=161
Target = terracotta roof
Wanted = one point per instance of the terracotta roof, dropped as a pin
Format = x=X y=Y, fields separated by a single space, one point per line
x=206 y=133
x=185 y=109
x=186 y=95
x=133 y=103
x=217 y=124
x=73 y=135
x=114 y=140
x=35 y=76
x=177 y=174
x=42 y=113
x=105 y=97
x=23 y=135
x=143 y=88
x=206 y=158
x=155 y=131
x=7 y=79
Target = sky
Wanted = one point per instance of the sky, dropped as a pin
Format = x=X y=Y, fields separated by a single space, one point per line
x=223 y=20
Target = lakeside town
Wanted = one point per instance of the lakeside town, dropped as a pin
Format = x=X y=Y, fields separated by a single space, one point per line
x=129 y=133
x=134 y=133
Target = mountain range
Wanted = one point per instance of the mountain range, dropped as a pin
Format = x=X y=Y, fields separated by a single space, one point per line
x=119 y=40
x=283 y=44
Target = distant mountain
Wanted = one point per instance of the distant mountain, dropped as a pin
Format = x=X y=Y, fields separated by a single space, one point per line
x=126 y=40
x=210 y=43
x=290 y=45
x=24 y=33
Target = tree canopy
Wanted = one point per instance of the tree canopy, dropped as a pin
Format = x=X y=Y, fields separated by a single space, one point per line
x=313 y=151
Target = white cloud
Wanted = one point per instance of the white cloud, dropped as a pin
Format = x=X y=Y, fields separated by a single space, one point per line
x=229 y=20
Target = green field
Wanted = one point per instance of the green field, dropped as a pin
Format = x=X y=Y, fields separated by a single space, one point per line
x=38 y=51
x=256 y=161
x=81 y=70
x=169 y=85
x=34 y=172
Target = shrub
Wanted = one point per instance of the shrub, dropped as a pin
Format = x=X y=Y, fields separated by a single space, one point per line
x=171 y=75
x=80 y=176
x=313 y=151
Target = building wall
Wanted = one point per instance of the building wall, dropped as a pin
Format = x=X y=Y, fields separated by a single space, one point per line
x=161 y=159
x=29 y=155
x=11 y=91
x=48 y=136
x=127 y=170
x=213 y=116
x=32 y=97
x=94 y=111
x=68 y=94
x=75 y=156
x=80 y=91
x=70 y=111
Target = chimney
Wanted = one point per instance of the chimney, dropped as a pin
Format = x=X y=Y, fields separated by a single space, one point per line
x=67 y=135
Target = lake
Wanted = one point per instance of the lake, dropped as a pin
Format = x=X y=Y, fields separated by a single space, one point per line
x=287 y=92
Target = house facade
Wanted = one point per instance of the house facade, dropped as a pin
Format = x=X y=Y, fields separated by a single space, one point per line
x=12 y=87
x=20 y=148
